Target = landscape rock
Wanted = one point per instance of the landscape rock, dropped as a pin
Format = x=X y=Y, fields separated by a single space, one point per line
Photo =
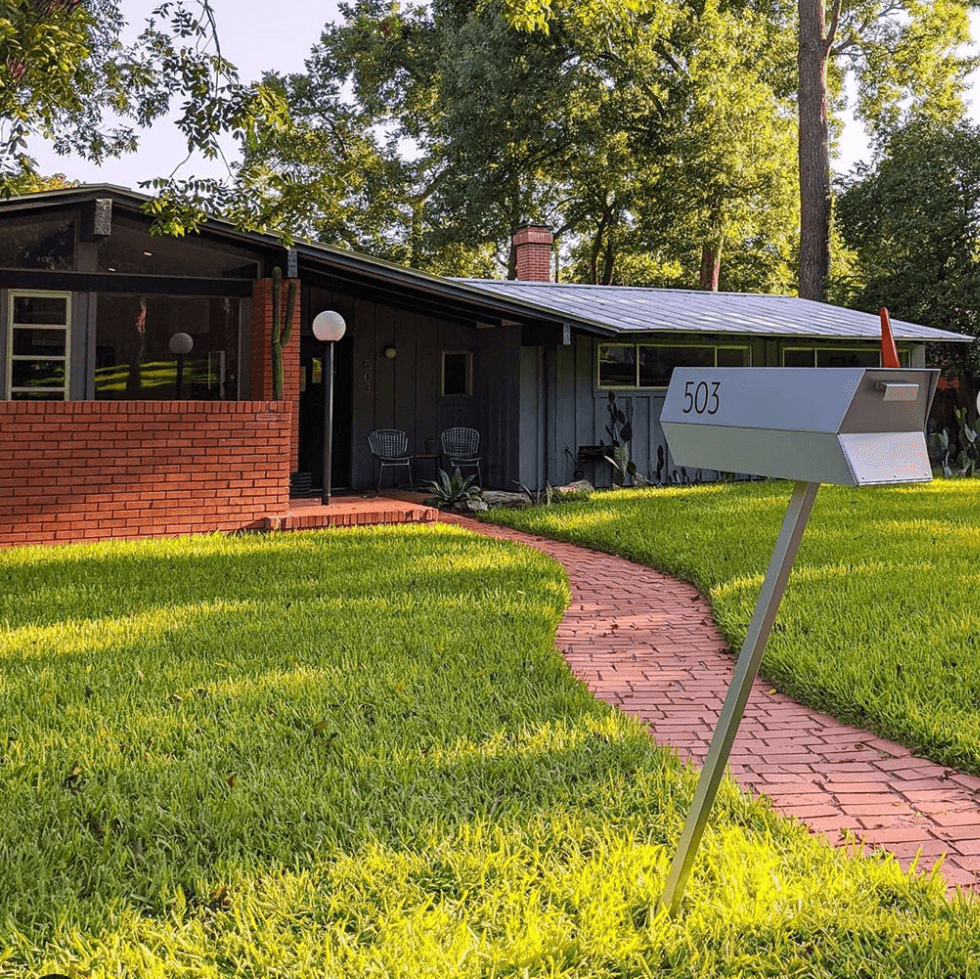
x=579 y=486
x=516 y=501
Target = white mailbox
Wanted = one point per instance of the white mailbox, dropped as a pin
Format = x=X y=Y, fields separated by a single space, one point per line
x=854 y=426
x=851 y=425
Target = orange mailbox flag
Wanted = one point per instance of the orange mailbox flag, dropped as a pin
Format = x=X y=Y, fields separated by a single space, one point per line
x=889 y=353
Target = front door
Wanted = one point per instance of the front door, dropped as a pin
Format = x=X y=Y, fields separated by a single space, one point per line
x=313 y=356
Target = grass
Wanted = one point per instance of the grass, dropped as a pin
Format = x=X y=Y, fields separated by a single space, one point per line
x=358 y=754
x=880 y=623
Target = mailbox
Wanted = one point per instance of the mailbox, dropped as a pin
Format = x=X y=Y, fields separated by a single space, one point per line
x=853 y=426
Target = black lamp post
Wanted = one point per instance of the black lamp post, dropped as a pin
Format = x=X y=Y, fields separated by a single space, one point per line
x=329 y=327
x=181 y=344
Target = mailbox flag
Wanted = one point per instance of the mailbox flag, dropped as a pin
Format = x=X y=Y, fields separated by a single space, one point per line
x=889 y=352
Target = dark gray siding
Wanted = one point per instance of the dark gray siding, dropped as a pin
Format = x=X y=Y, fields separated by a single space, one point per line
x=531 y=422
x=497 y=381
x=405 y=392
x=560 y=392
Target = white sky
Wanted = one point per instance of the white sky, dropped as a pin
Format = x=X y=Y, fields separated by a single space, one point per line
x=258 y=35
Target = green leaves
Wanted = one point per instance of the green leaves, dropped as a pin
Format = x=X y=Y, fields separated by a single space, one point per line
x=913 y=221
x=636 y=131
x=62 y=64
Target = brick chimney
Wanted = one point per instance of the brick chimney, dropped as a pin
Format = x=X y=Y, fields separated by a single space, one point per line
x=532 y=252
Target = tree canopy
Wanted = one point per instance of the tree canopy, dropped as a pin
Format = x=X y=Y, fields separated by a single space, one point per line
x=914 y=223
x=426 y=134
x=66 y=75
x=905 y=58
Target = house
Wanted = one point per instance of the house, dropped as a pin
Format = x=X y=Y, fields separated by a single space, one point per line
x=109 y=427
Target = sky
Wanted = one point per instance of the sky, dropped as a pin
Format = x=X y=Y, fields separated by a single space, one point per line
x=258 y=35
x=255 y=36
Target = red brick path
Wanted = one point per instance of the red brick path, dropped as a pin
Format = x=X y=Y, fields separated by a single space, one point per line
x=648 y=644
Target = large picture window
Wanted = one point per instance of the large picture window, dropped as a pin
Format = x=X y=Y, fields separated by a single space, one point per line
x=141 y=347
x=650 y=365
x=38 y=242
x=37 y=362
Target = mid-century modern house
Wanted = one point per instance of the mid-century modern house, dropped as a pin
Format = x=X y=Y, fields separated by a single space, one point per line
x=106 y=431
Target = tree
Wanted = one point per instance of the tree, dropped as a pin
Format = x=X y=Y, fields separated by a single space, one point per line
x=587 y=131
x=63 y=67
x=914 y=222
x=899 y=52
x=903 y=55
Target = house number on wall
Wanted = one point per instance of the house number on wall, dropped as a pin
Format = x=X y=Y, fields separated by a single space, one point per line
x=366 y=375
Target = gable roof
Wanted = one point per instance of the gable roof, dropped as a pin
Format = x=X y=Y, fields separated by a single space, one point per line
x=632 y=309
x=607 y=311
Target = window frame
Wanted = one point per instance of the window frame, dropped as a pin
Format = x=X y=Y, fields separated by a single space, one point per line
x=715 y=347
x=12 y=326
x=468 y=393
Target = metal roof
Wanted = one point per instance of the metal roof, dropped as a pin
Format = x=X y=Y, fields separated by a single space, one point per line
x=632 y=309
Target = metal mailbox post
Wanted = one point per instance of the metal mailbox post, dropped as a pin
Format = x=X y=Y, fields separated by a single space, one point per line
x=852 y=426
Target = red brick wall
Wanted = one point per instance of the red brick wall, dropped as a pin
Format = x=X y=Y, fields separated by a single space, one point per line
x=532 y=253
x=261 y=373
x=82 y=470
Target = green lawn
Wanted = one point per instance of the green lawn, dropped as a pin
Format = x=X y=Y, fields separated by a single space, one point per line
x=357 y=754
x=880 y=623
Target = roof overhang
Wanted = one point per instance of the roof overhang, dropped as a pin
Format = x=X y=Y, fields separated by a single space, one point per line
x=552 y=309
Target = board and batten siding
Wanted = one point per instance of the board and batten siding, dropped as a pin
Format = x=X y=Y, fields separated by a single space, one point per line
x=498 y=385
x=404 y=393
x=563 y=408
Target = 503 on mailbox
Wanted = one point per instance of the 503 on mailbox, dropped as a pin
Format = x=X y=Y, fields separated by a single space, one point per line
x=703 y=399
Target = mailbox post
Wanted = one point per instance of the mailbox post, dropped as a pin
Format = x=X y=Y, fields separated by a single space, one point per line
x=850 y=426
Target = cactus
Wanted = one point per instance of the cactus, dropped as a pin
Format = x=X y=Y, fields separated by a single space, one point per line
x=281 y=332
x=968 y=457
x=620 y=430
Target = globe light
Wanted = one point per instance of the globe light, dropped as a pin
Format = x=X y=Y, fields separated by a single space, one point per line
x=329 y=326
x=181 y=344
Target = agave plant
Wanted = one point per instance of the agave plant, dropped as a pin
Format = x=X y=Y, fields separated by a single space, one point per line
x=452 y=490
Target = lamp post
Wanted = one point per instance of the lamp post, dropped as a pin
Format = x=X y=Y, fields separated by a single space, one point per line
x=328 y=326
x=181 y=344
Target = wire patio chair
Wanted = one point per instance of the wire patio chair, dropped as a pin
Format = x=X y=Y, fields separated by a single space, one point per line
x=461 y=446
x=390 y=448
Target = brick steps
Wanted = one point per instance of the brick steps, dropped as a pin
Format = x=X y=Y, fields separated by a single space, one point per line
x=346 y=511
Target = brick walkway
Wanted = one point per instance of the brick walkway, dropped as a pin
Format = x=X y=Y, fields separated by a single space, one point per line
x=648 y=644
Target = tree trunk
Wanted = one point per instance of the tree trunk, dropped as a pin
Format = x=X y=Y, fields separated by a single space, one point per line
x=711 y=257
x=814 y=154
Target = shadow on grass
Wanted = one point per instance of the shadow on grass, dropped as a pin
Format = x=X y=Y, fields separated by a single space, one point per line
x=360 y=751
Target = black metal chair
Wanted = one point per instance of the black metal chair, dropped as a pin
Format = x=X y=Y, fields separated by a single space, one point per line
x=461 y=446
x=390 y=448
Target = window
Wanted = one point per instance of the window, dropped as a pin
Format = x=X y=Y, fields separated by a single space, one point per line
x=837 y=357
x=649 y=365
x=38 y=243
x=457 y=373
x=133 y=355
x=37 y=365
x=131 y=249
